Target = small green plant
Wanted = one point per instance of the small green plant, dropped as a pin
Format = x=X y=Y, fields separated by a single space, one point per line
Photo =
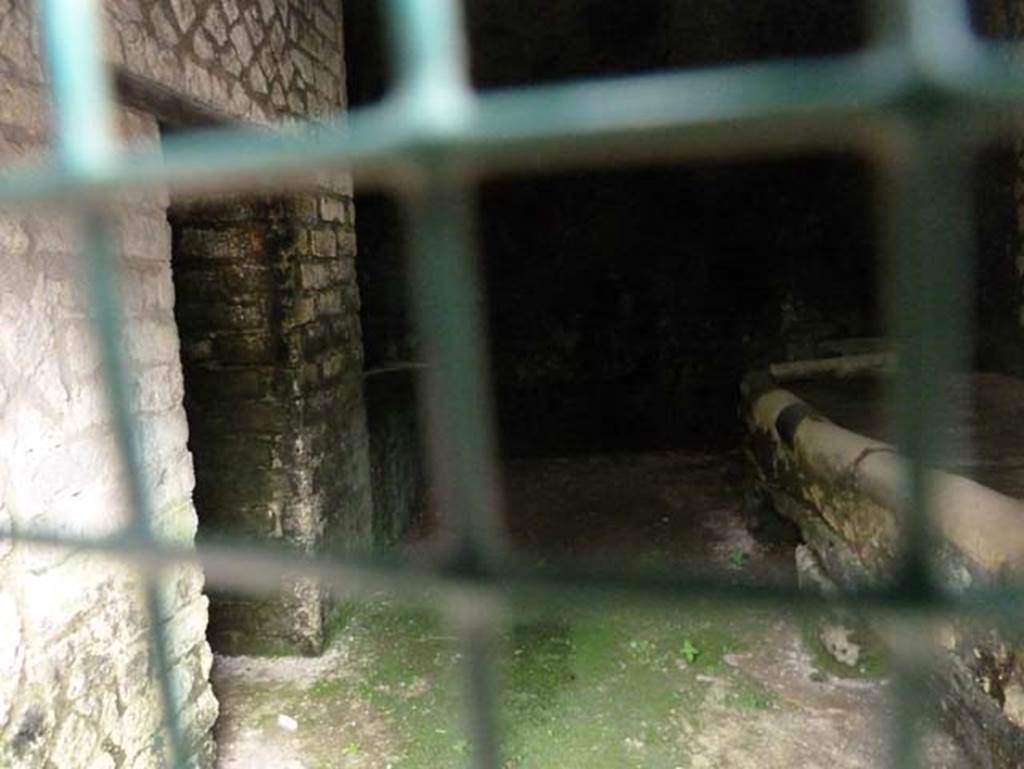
x=739 y=558
x=352 y=749
x=689 y=651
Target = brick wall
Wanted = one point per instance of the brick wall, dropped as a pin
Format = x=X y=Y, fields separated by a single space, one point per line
x=268 y=313
x=76 y=685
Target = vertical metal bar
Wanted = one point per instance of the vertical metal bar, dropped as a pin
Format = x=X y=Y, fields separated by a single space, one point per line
x=459 y=422
x=930 y=309
x=449 y=309
x=429 y=48
x=932 y=323
x=929 y=219
x=428 y=44
x=81 y=91
x=475 y=618
x=938 y=32
x=85 y=143
x=910 y=700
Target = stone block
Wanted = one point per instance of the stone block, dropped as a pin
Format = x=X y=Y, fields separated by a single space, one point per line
x=267 y=10
x=198 y=83
x=242 y=44
x=165 y=31
x=253 y=23
x=257 y=79
x=329 y=26
x=346 y=242
x=151 y=341
x=304 y=209
x=329 y=302
x=314 y=275
x=332 y=209
x=303 y=65
x=303 y=311
x=342 y=269
x=184 y=13
x=202 y=47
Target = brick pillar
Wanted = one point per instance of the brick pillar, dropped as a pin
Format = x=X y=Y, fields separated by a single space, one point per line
x=272 y=353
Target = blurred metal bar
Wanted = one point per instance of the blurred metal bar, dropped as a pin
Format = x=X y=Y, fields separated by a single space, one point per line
x=474 y=616
x=841 y=101
x=910 y=640
x=429 y=51
x=931 y=215
x=85 y=141
x=433 y=87
x=81 y=92
x=847 y=102
x=909 y=693
x=246 y=568
x=462 y=450
x=449 y=302
x=927 y=243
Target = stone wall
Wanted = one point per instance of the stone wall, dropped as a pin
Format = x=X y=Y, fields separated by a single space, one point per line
x=76 y=678
x=76 y=684
x=260 y=61
x=268 y=313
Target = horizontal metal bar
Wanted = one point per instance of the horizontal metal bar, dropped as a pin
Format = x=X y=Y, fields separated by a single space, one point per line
x=249 y=568
x=850 y=100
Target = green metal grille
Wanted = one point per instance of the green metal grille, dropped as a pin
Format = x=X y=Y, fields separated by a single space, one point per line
x=918 y=100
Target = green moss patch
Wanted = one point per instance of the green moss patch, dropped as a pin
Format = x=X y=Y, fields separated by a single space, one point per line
x=612 y=689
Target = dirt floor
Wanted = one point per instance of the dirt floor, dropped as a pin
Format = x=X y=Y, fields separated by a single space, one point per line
x=613 y=687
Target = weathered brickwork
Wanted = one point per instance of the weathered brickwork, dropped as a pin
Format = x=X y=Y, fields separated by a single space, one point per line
x=268 y=312
x=255 y=60
x=76 y=677
x=261 y=60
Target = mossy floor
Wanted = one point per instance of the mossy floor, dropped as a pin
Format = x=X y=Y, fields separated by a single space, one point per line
x=610 y=688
